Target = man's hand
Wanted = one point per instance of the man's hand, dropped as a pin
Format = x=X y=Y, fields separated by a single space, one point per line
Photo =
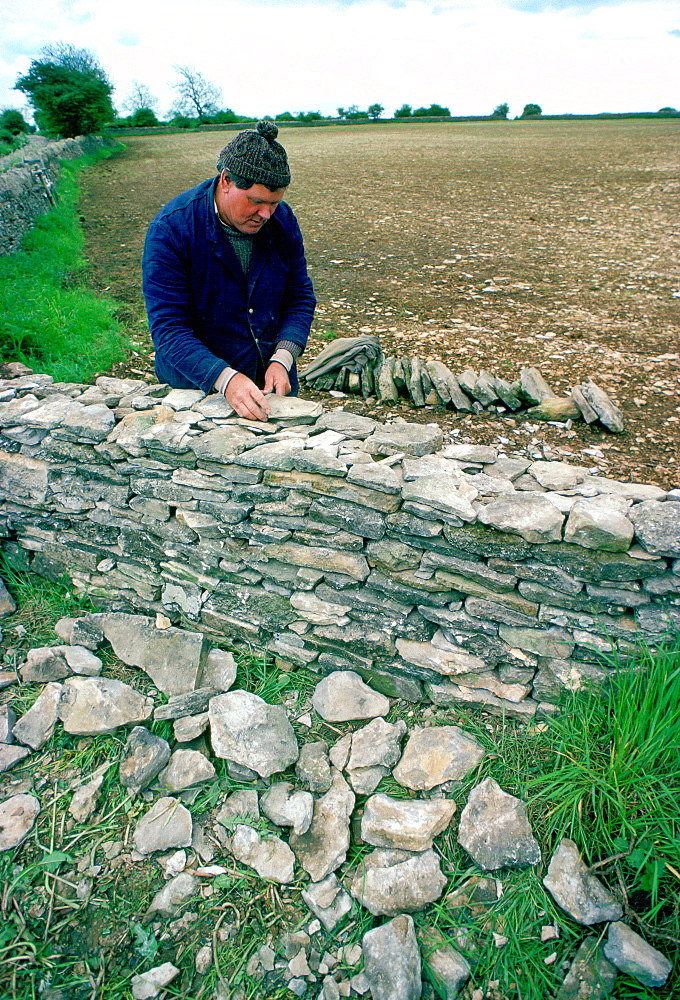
x=276 y=379
x=246 y=398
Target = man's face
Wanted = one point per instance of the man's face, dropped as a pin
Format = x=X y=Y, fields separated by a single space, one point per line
x=247 y=210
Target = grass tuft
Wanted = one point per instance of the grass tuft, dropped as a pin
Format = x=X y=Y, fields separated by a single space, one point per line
x=47 y=321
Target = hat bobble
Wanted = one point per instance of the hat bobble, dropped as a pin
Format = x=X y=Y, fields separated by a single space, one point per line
x=255 y=155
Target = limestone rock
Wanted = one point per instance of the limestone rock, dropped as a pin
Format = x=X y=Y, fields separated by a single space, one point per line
x=313 y=767
x=172 y=657
x=372 y=751
x=409 y=439
x=247 y=730
x=392 y=960
x=390 y=881
x=576 y=891
x=328 y=901
x=84 y=801
x=533 y=517
x=219 y=670
x=342 y=696
x=495 y=831
x=323 y=848
x=166 y=825
x=241 y=807
x=147 y=985
x=435 y=755
x=36 y=726
x=286 y=808
x=590 y=976
x=405 y=824
x=185 y=769
x=44 y=663
x=269 y=856
x=608 y=412
x=11 y=755
x=449 y=967
x=144 y=756
x=17 y=816
x=599 y=523
x=92 y=705
x=631 y=954
x=7 y=603
x=657 y=527
x=169 y=900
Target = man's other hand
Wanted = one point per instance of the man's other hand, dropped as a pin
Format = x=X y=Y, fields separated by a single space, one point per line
x=246 y=399
x=276 y=379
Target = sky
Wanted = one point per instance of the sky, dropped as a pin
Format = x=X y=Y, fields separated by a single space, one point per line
x=270 y=56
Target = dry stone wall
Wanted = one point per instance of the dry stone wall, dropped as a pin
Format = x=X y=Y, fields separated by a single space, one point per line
x=432 y=569
x=27 y=186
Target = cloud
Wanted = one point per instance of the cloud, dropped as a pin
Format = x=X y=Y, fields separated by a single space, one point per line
x=675 y=32
x=128 y=38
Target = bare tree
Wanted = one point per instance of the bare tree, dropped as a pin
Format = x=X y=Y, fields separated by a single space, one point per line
x=71 y=57
x=196 y=96
x=140 y=97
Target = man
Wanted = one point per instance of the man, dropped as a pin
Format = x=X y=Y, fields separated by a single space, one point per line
x=228 y=297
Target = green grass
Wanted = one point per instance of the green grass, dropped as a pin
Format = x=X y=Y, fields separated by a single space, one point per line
x=48 y=320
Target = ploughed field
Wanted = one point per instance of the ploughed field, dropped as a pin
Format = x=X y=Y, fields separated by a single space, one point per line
x=489 y=246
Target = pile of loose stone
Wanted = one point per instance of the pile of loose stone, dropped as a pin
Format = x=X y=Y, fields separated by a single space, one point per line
x=431 y=383
x=315 y=805
x=456 y=572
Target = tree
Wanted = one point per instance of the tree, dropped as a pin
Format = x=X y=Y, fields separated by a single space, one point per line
x=308 y=116
x=196 y=96
x=71 y=97
x=405 y=111
x=285 y=116
x=143 y=118
x=434 y=111
x=375 y=111
x=501 y=111
x=140 y=98
x=531 y=111
x=14 y=122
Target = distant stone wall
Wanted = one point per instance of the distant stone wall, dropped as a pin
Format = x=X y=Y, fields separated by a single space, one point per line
x=335 y=541
x=27 y=187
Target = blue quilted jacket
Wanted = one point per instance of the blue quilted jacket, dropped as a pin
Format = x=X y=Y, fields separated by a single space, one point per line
x=203 y=311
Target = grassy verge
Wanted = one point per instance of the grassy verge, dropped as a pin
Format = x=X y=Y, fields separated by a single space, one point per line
x=47 y=320
x=605 y=772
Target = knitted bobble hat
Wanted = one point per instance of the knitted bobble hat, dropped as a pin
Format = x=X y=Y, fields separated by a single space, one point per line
x=255 y=155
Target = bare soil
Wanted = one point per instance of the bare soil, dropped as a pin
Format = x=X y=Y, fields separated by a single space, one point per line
x=493 y=246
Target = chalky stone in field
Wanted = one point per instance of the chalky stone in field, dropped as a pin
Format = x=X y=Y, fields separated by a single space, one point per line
x=169 y=900
x=328 y=901
x=390 y=881
x=171 y=657
x=392 y=960
x=557 y=475
x=36 y=726
x=166 y=825
x=590 y=975
x=495 y=831
x=444 y=493
x=342 y=696
x=144 y=756
x=435 y=755
x=270 y=857
x=11 y=755
x=448 y=965
x=408 y=825
x=286 y=807
x=185 y=769
x=92 y=705
x=247 y=730
x=323 y=848
x=576 y=891
x=631 y=954
x=313 y=768
x=17 y=816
